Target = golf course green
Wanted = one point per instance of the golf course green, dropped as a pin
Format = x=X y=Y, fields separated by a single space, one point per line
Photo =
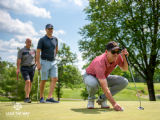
x=72 y=107
x=76 y=110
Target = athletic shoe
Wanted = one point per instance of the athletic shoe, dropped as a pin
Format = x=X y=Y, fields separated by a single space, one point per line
x=103 y=103
x=90 y=104
x=51 y=100
x=27 y=100
x=42 y=100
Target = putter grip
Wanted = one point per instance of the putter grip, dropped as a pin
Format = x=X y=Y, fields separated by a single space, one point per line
x=38 y=72
x=126 y=57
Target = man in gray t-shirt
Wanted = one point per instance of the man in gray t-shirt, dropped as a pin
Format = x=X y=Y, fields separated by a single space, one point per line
x=26 y=59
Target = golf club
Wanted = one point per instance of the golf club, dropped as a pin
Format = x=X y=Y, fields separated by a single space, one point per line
x=38 y=86
x=139 y=108
x=16 y=89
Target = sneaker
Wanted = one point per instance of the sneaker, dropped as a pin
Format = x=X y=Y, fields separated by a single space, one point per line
x=42 y=100
x=103 y=103
x=27 y=100
x=90 y=104
x=51 y=100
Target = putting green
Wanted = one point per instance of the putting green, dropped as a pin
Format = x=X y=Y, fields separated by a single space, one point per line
x=76 y=110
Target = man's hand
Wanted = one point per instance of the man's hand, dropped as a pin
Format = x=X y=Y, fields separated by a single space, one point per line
x=38 y=66
x=117 y=107
x=125 y=52
x=18 y=72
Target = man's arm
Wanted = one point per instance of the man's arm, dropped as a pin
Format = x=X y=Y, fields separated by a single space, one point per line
x=125 y=64
x=108 y=94
x=37 y=58
x=18 y=66
x=56 y=49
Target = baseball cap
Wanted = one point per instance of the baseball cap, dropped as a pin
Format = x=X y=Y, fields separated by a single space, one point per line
x=112 y=46
x=49 y=26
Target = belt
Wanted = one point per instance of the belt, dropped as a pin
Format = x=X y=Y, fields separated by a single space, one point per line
x=47 y=59
x=29 y=65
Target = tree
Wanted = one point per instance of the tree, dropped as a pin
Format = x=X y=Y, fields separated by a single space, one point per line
x=133 y=24
x=67 y=73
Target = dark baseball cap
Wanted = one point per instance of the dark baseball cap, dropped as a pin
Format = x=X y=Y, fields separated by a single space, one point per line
x=49 y=26
x=112 y=46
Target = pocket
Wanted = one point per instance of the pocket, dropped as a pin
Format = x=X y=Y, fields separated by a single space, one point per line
x=34 y=67
x=22 y=69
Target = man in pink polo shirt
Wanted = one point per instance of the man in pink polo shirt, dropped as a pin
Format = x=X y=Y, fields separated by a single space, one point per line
x=97 y=74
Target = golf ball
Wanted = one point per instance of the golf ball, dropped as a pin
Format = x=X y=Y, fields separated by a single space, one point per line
x=122 y=108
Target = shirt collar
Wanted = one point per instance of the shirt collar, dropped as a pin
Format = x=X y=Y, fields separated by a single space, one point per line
x=27 y=48
x=48 y=37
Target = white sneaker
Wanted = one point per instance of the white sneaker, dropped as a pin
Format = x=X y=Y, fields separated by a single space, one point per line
x=103 y=103
x=90 y=104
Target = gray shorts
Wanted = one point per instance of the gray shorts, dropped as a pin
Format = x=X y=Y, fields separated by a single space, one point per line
x=28 y=72
x=48 y=68
x=115 y=83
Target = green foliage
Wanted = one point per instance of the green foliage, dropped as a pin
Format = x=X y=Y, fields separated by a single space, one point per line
x=84 y=94
x=8 y=83
x=58 y=90
x=67 y=72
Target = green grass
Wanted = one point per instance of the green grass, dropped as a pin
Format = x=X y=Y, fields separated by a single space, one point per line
x=77 y=111
x=128 y=94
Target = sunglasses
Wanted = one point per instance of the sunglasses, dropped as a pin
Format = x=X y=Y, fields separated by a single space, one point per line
x=114 y=52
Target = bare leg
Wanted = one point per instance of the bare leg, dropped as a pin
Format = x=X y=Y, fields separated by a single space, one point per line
x=42 y=84
x=27 y=88
x=30 y=87
x=52 y=86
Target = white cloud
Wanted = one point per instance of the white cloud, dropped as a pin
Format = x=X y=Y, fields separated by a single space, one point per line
x=56 y=1
x=56 y=33
x=15 y=26
x=12 y=58
x=77 y=2
x=80 y=62
x=10 y=46
x=24 y=7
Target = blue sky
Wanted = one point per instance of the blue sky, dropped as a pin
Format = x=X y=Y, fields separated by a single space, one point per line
x=21 y=19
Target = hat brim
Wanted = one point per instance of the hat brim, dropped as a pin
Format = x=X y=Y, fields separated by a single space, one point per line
x=49 y=27
x=115 y=48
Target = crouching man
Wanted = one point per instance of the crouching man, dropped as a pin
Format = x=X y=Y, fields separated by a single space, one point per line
x=97 y=74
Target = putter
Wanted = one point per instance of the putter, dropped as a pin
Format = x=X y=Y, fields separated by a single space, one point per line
x=139 y=108
x=38 y=86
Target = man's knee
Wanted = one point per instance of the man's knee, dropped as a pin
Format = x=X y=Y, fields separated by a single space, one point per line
x=28 y=82
x=125 y=82
x=54 y=79
x=93 y=86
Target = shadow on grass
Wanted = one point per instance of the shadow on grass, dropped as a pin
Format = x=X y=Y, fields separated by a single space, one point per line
x=92 y=111
x=12 y=104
